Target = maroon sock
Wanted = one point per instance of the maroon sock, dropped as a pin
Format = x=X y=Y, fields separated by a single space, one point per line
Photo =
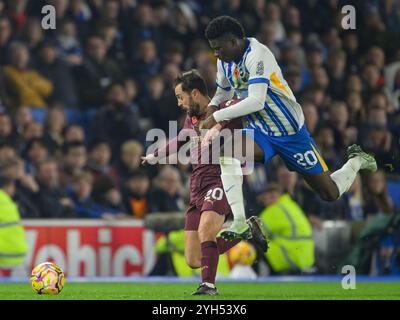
x=209 y=261
x=224 y=246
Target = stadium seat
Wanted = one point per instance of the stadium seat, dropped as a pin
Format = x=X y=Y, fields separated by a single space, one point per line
x=74 y=115
x=39 y=114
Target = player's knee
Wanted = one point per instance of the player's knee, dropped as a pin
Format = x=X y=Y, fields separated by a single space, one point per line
x=206 y=233
x=193 y=262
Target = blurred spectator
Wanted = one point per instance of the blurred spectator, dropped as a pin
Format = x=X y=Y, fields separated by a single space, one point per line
x=26 y=187
x=96 y=73
x=325 y=139
x=167 y=196
x=339 y=119
x=54 y=126
x=186 y=22
x=356 y=200
x=377 y=138
x=69 y=47
x=83 y=203
x=116 y=119
x=7 y=152
x=315 y=56
x=113 y=38
x=59 y=73
x=6 y=129
x=106 y=194
x=99 y=160
x=145 y=28
x=33 y=35
x=356 y=108
x=136 y=193
x=319 y=76
x=35 y=153
x=74 y=133
x=74 y=161
x=52 y=200
x=311 y=116
x=351 y=47
x=5 y=39
x=130 y=158
x=174 y=53
x=26 y=86
x=287 y=180
x=370 y=76
x=377 y=199
x=337 y=72
x=267 y=36
x=146 y=62
x=22 y=117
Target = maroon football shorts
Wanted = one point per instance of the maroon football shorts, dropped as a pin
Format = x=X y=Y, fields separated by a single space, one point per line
x=209 y=197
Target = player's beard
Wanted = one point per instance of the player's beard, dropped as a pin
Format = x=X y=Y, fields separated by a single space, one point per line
x=194 y=109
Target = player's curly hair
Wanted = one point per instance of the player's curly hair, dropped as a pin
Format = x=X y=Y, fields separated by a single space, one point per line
x=223 y=25
x=191 y=80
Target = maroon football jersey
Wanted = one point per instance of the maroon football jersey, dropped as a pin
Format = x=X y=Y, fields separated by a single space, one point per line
x=204 y=173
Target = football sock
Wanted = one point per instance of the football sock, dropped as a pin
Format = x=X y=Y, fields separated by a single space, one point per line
x=209 y=261
x=345 y=176
x=232 y=179
x=224 y=245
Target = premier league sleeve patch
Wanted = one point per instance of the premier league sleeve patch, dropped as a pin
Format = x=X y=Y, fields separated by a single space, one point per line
x=260 y=68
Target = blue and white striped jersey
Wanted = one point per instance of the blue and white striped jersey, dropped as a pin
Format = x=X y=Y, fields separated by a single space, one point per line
x=281 y=115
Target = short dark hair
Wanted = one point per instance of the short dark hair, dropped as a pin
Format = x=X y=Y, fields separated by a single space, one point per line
x=191 y=80
x=223 y=25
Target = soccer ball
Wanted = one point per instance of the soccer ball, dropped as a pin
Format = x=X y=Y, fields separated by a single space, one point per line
x=243 y=253
x=47 y=278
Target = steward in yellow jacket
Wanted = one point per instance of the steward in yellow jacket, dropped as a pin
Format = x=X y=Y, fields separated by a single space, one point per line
x=291 y=246
x=13 y=245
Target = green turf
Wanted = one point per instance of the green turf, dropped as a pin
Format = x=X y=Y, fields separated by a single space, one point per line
x=234 y=291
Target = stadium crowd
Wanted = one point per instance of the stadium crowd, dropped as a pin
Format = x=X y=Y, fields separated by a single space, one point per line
x=76 y=102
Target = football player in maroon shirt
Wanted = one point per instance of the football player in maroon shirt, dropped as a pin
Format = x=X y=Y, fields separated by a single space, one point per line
x=208 y=206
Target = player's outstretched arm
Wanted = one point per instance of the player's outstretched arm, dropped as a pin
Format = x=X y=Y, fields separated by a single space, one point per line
x=253 y=103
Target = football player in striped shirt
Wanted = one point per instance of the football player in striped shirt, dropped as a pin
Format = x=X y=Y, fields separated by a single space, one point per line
x=274 y=120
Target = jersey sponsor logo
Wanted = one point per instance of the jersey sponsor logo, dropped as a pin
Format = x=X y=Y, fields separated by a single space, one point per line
x=260 y=68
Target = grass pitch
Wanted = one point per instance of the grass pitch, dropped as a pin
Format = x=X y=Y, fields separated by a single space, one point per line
x=228 y=291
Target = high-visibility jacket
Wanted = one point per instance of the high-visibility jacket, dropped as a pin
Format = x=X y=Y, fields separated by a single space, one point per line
x=176 y=247
x=13 y=245
x=290 y=233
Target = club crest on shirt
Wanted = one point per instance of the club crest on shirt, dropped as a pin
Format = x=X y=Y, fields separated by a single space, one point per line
x=260 y=68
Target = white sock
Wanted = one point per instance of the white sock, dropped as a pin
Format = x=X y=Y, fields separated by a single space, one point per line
x=232 y=179
x=345 y=176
